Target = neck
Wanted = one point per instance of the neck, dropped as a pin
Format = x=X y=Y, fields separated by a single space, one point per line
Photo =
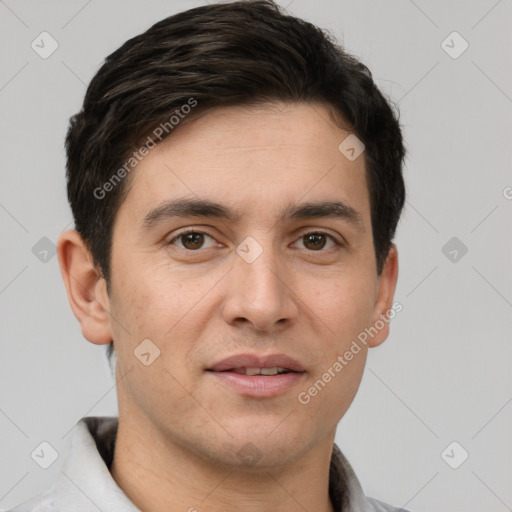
x=159 y=476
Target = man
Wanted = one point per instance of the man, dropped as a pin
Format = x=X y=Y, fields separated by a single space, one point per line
x=236 y=181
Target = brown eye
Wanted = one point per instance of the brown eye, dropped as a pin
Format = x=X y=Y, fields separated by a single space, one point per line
x=314 y=241
x=190 y=240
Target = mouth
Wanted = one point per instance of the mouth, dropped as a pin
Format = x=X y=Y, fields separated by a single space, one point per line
x=276 y=370
x=255 y=364
x=257 y=376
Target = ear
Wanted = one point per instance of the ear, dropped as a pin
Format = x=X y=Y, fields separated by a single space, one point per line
x=86 y=289
x=385 y=292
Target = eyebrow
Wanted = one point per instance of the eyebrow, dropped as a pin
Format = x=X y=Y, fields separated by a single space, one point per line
x=205 y=208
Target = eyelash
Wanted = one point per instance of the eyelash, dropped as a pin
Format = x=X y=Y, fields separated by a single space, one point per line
x=198 y=232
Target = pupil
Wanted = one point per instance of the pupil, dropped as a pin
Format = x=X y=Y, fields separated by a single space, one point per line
x=314 y=239
x=196 y=239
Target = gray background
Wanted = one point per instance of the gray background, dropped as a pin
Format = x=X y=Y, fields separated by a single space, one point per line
x=444 y=373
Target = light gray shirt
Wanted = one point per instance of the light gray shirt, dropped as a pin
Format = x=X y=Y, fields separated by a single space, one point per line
x=84 y=482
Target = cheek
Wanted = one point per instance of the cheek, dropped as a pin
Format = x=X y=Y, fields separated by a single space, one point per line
x=345 y=302
x=145 y=298
x=165 y=306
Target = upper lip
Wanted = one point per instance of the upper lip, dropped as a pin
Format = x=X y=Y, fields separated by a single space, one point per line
x=257 y=361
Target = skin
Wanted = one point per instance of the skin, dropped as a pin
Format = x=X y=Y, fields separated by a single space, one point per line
x=180 y=429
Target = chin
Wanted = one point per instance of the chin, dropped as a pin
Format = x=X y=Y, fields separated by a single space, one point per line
x=261 y=447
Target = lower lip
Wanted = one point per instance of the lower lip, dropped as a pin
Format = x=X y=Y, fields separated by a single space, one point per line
x=264 y=386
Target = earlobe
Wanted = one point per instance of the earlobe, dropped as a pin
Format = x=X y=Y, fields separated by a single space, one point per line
x=385 y=294
x=85 y=288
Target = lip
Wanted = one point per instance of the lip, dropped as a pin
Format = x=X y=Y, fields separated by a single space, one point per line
x=257 y=361
x=258 y=386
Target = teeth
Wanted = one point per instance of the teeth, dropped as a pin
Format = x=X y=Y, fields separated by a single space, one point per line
x=269 y=371
x=263 y=371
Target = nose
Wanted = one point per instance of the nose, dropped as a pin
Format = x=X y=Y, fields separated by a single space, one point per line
x=260 y=293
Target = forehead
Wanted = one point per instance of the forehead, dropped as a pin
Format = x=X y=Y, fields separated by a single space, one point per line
x=252 y=156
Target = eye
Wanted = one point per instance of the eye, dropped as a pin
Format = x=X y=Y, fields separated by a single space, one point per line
x=316 y=240
x=192 y=240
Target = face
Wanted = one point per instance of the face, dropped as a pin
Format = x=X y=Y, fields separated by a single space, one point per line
x=273 y=284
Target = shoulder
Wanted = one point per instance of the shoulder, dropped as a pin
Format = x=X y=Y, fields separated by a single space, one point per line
x=380 y=506
x=42 y=502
